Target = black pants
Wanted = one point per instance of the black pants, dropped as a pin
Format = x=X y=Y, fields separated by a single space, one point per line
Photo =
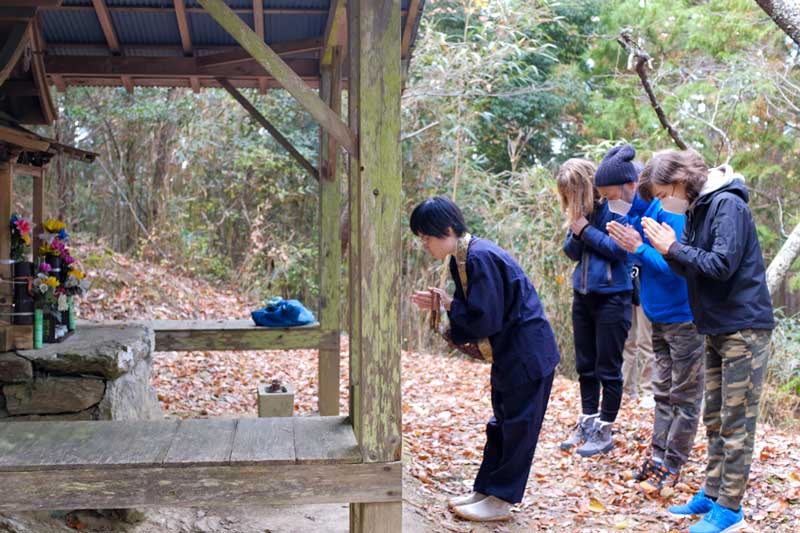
x=600 y=325
x=511 y=437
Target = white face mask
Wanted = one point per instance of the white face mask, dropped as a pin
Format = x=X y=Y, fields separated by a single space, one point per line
x=676 y=206
x=620 y=207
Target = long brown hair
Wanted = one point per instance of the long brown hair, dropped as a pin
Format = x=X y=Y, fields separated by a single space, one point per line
x=673 y=166
x=576 y=188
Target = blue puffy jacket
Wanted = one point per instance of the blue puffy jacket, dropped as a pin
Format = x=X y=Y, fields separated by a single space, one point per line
x=603 y=267
x=664 y=294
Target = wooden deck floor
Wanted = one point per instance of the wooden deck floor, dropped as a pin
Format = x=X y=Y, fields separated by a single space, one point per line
x=57 y=465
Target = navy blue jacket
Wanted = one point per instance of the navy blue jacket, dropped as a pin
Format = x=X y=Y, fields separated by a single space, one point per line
x=603 y=267
x=501 y=304
x=721 y=259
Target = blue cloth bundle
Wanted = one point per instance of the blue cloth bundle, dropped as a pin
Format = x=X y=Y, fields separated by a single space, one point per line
x=280 y=313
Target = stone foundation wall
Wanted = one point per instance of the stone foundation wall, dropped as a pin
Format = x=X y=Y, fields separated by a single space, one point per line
x=102 y=372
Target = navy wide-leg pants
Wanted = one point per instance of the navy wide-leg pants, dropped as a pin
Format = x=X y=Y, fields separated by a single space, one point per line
x=511 y=437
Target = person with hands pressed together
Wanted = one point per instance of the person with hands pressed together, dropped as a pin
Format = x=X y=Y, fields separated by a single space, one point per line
x=677 y=345
x=720 y=257
x=601 y=304
x=496 y=306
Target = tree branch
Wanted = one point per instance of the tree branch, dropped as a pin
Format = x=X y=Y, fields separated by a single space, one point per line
x=785 y=14
x=641 y=60
x=779 y=267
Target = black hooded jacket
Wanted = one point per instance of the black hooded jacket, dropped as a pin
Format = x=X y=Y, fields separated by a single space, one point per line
x=721 y=259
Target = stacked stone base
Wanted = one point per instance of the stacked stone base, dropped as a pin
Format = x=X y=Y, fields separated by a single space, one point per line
x=101 y=372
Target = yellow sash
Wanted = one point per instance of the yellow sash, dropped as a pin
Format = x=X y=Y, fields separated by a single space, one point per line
x=462 y=247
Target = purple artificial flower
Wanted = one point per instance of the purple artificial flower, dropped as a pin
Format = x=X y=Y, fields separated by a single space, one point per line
x=44 y=267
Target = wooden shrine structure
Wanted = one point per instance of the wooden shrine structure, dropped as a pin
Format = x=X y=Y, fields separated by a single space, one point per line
x=313 y=49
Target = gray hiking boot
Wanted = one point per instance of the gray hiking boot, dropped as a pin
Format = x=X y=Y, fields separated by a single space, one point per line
x=580 y=432
x=599 y=439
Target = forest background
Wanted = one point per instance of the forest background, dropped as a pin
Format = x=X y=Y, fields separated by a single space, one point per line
x=500 y=92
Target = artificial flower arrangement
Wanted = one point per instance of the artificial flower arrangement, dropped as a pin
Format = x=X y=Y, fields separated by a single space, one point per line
x=45 y=286
x=55 y=239
x=20 y=237
x=59 y=280
x=76 y=284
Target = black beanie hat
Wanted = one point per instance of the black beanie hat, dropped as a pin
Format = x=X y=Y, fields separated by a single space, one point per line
x=617 y=167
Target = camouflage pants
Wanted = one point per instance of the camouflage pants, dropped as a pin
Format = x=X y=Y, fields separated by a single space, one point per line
x=677 y=390
x=735 y=368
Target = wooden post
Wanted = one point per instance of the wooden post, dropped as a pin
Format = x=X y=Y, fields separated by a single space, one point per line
x=12 y=48
x=6 y=192
x=375 y=25
x=38 y=214
x=330 y=254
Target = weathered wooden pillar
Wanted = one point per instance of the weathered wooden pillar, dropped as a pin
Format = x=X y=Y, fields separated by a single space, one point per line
x=375 y=204
x=38 y=214
x=6 y=192
x=330 y=254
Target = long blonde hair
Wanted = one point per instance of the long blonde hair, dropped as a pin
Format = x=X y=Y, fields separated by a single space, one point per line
x=576 y=188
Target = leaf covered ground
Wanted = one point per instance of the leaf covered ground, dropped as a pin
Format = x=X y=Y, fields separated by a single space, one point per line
x=445 y=406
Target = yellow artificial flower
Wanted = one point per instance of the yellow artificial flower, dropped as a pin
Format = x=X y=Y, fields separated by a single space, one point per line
x=53 y=282
x=77 y=273
x=54 y=226
x=26 y=239
x=45 y=248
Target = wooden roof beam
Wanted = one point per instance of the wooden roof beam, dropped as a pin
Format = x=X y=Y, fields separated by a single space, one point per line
x=267 y=125
x=49 y=111
x=104 y=16
x=238 y=55
x=183 y=26
x=178 y=81
x=165 y=67
x=18 y=38
x=58 y=81
x=335 y=30
x=411 y=19
x=282 y=72
x=23 y=139
x=127 y=82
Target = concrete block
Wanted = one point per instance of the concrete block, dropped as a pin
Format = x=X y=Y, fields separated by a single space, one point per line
x=273 y=404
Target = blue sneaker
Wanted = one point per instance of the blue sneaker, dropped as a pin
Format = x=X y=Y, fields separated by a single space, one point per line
x=699 y=504
x=719 y=520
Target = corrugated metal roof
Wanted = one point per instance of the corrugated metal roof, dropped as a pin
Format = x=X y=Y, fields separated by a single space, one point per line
x=65 y=26
x=146 y=28
x=149 y=28
x=206 y=32
x=81 y=26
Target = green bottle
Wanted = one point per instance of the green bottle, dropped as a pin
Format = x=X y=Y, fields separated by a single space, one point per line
x=38 y=328
x=71 y=321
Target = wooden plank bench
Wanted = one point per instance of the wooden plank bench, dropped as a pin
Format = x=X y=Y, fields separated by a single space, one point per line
x=195 y=462
x=220 y=335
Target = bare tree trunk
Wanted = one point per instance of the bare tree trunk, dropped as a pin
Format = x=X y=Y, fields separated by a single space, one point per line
x=162 y=150
x=780 y=266
x=786 y=14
